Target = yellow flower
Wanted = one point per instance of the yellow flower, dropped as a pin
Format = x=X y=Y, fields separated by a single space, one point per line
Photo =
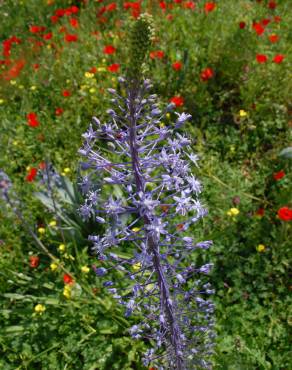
x=261 y=248
x=89 y=75
x=21 y=87
x=137 y=266
x=92 y=90
x=1 y=101
x=53 y=223
x=101 y=69
x=242 y=113
x=53 y=266
x=13 y=82
x=61 y=248
x=233 y=212
x=15 y=142
x=69 y=256
x=167 y=115
x=39 y=308
x=33 y=88
x=67 y=291
x=161 y=124
x=136 y=229
x=85 y=269
x=67 y=170
x=41 y=230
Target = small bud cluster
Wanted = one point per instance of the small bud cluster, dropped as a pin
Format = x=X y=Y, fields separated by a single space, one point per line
x=139 y=186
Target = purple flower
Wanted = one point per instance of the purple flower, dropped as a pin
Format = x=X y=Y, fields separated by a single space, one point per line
x=146 y=196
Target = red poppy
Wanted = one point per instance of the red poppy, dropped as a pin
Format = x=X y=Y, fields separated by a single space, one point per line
x=163 y=5
x=42 y=165
x=109 y=49
x=67 y=279
x=32 y=120
x=60 y=12
x=261 y=58
x=206 y=74
x=110 y=7
x=242 y=25
x=93 y=70
x=258 y=28
x=74 y=9
x=36 y=66
x=31 y=174
x=272 y=4
x=260 y=212
x=54 y=19
x=265 y=21
x=66 y=93
x=74 y=22
x=189 y=5
x=177 y=66
x=277 y=18
x=34 y=261
x=113 y=67
x=285 y=214
x=279 y=175
x=278 y=58
x=177 y=100
x=48 y=36
x=71 y=38
x=36 y=29
x=59 y=111
x=157 y=54
x=273 y=38
x=209 y=7
x=15 y=70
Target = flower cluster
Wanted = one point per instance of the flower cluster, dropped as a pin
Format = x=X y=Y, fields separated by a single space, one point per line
x=140 y=188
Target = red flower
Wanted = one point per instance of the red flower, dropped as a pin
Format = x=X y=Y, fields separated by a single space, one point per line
x=93 y=70
x=66 y=93
x=109 y=49
x=36 y=66
x=261 y=58
x=42 y=165
x=177 y=100
x=48 y=36
x=177 y=66
x=258 y=28
x=272 y=4
x=163 y=5
x=31 y=174
x=265 y=21
x=74 y=9
x=34 y=261
x=206 y=74
x=110 y=7
x=32 y=120
x=278 y=58
x=15 y=70
x=285 y=214
x=189 y=5
x=157 y=54
x=59 y=111
x=113 y=67
x=209 y=7
x=60 y=12
x=260 y=212
x=54 y=19
x=67 y=279
x=74 y=22
x=242 y=25
x=278 y=175
x=277 y=18
x=273 y=38
x=36 y=29
x=71 y=38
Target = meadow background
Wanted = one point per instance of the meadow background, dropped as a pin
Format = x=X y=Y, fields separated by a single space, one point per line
x=228 y=63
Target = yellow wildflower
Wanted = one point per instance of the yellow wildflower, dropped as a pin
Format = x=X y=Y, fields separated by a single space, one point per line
x=137 y=266
x=33 y=87
x=261 y=248
x=233 y=212
x=136 y=229
x=53 y=223
x=67 y=291
x=101 y=69
x=67 y=170
x=39 y=308
x=92 y=90
x=13 y=82
x=62 y=248
x=242 y=113
x=167 y=115
x=89 y=75
x=1 y=101
x=41 y=230
x=53 y=266
x=85 y=269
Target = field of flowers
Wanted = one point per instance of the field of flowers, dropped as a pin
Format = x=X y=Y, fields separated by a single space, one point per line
x=225 y=62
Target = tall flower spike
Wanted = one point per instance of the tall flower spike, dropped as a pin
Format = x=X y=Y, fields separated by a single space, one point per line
x=140 y=187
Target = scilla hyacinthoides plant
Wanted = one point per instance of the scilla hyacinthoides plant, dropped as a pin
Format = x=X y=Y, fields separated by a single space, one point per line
x=139 y=186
